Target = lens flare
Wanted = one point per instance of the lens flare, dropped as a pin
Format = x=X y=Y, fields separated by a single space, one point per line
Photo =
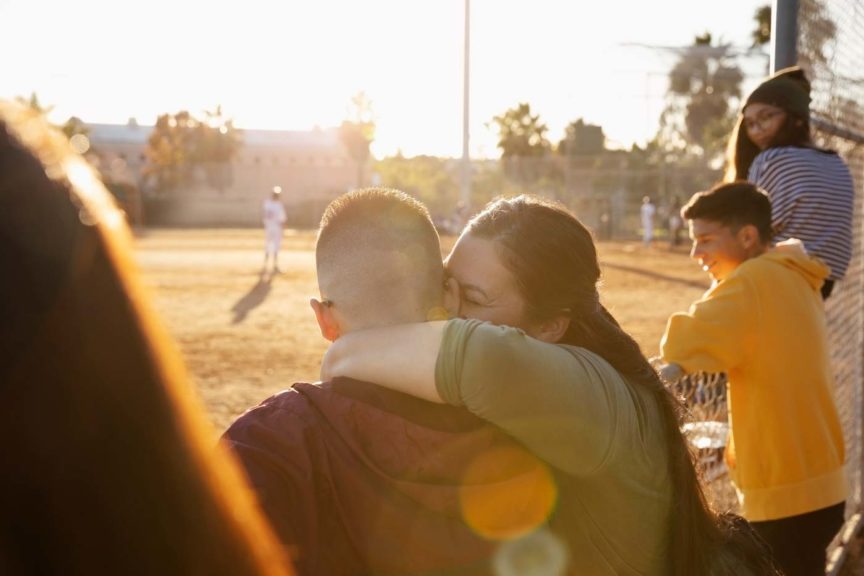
x=80 y=143
x=539 y=553
x=507 y=493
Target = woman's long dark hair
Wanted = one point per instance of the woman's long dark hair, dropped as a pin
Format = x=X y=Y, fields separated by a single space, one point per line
x=741 y=151
x=554 y=260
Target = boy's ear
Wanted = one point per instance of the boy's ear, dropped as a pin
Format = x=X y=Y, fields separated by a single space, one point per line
x=748 y=235
x=452 y=298
x=552 y=330
x=327 y=323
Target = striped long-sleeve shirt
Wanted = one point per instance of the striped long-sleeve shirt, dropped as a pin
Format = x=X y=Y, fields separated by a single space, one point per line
x=812 y=198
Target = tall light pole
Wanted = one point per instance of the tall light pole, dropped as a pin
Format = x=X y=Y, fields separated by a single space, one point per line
x=784 y=34
x=466 y=157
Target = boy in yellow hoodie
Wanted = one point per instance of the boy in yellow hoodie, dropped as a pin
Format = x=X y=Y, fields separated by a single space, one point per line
x=763 y=324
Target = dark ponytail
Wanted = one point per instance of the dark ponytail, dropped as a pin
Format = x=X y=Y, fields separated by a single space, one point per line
x=554 y=260
x=694 y=530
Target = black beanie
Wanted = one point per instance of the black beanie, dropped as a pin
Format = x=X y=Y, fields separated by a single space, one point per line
x=788 y=89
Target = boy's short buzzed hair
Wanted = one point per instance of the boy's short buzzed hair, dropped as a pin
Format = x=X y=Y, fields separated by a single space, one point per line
x=734 y=205
x=378 y=255
x=382 y=218
x=375 y=203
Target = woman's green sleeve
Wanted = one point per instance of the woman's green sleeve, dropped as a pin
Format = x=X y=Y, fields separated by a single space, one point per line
x=561 y=402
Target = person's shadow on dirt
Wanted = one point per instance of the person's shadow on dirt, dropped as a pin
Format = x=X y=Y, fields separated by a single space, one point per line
x=252 y=299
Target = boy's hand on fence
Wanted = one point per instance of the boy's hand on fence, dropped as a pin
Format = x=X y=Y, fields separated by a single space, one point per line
x=669 y=373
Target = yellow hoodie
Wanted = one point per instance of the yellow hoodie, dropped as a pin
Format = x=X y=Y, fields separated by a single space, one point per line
x=764 y=326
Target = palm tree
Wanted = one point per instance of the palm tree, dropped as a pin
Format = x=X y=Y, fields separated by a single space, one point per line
x=520 y=133
x=33 y=104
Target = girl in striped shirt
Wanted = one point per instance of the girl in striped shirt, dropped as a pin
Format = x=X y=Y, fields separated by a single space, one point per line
x=810 y=188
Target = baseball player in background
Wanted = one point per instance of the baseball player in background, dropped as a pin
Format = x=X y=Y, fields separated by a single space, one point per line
x=274 y=218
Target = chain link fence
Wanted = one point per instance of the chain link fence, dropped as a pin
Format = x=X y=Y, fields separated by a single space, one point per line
x=604 y=190
x=830 y=47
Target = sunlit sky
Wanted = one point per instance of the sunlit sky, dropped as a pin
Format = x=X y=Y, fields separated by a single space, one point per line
x=285 y=64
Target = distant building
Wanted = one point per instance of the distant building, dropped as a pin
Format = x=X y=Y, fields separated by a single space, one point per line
x=312 y=167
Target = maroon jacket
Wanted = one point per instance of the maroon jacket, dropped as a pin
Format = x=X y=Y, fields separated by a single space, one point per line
x=358 y=479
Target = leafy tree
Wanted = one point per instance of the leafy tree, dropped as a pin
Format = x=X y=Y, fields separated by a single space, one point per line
x=74 y=126
x=79 y=136
x=169 y=152
x=704 y=87
x=428 y=178
x=180 y=144
x=582 y=139
x=816 y=31
x=761 y=34
x=32 y=102
x=219 y=142
x=490 y=182
x=219 y=139
x=357 y=132
x=71 y=127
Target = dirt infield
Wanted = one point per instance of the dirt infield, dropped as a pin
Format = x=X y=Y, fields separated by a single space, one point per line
x=245 y=336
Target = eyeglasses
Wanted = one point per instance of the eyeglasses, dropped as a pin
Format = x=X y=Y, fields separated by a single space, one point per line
x=763 y=120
